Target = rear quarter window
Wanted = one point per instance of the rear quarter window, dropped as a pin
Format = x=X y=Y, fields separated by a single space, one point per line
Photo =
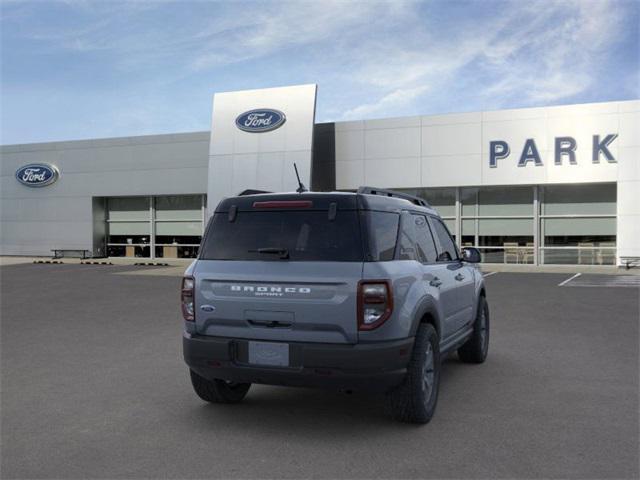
x=382 y=234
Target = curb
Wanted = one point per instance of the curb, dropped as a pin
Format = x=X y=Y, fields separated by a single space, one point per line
x=49 y=261
x=95 y=263
x=151 y=264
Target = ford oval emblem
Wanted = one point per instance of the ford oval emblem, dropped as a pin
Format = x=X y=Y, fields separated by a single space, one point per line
x=260 y=120
x=37 y=175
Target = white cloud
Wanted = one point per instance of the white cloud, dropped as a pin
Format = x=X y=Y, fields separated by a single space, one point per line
x=389 y=102
x=552 y=57
x=539 y=52
x=370 y=58
x=252 y=33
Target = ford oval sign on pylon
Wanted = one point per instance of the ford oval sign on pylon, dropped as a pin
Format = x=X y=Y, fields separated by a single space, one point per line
x=37 y=175
x=260 y=120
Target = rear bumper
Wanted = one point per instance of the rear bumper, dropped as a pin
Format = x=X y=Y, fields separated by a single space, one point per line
x=362 y=367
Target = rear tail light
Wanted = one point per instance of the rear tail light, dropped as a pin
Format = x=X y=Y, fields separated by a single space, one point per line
x=186 y=298
x=375 y=303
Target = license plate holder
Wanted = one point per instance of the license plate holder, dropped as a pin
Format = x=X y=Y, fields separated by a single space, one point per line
x=269 y=354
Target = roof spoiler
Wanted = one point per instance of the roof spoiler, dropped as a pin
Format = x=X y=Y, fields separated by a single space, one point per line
x=391 y=193
x=250 y=191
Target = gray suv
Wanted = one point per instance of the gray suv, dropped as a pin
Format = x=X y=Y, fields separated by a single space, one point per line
x=357 y=291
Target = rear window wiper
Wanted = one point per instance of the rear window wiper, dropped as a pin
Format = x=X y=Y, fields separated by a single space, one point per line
x=283 y=252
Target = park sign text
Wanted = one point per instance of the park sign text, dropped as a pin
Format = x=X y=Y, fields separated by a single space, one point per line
x=565 y=147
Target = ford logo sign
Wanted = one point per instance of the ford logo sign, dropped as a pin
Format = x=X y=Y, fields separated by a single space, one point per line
x=260 y=120
x=37 y=175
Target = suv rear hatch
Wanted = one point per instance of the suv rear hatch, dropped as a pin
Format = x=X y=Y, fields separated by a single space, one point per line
x=282 y=268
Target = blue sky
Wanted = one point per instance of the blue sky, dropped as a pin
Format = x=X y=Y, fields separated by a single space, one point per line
x=85 y=69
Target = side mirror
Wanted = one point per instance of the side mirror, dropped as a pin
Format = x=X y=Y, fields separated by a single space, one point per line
x=471 y=255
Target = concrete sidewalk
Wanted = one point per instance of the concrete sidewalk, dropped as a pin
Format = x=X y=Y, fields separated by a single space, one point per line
x=120 y=261
x=523 y=268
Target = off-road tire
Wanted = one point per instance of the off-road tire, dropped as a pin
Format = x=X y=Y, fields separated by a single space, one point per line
x=218 y=391
x=413 y=401
x=476 y=348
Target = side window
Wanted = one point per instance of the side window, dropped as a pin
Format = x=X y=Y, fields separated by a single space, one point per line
x=407 y=238
x=447 y=248
x=383 y=231
x=425 y=245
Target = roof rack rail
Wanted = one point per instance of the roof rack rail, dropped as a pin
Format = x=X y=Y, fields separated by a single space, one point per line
x=391 y=193
x=250 y=191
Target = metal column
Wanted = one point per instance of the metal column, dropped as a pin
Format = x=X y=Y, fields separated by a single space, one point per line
x=536 y=226
x=458 y=221
x=152 y=237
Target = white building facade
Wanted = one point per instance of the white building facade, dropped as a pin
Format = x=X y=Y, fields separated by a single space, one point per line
x=553 y=185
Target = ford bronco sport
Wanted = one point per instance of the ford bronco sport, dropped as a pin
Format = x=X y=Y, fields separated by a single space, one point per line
x=354 y=291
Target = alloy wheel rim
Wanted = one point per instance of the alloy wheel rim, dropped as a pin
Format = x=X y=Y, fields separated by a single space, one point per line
x=428 y=376
x=483 y=329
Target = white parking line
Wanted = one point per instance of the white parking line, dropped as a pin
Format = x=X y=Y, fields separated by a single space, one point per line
x=598 y=281
x=569 y=279
x=489 y=274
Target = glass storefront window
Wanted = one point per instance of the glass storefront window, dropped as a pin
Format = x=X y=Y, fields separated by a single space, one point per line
x=594 y=239
x=178 y=239
x=511 y=239
x=468 y=232
x=129 y=239
x=579 y=256
x=168 y=229
x=578 y=224
x=469 y=201
x=586 y=228
x=179 y=207
x=505 y=227
x=128 y=208
x=598 y=199
x=510 y=253
x=133 y=229
x=500 y=240
x=178 y=250
x=129 y=230
x=505 y=201
x=496 y=201
x=176 y=232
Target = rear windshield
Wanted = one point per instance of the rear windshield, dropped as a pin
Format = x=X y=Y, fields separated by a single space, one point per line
x=284 y=235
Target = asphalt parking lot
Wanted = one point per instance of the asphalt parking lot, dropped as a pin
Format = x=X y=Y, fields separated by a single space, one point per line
x=93 y=386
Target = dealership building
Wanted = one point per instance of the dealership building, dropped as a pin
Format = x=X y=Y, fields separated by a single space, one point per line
x=552 y=185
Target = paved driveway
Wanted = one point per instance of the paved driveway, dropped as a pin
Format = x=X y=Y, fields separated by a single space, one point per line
x=93 y=386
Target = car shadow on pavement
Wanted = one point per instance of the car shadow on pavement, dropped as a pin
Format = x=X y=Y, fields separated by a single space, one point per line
x=331 y=413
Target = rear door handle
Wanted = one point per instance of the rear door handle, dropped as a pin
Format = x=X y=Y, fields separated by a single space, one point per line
x=435 y=282
x=459 y=277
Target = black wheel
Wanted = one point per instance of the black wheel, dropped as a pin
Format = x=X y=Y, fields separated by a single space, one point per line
x=476 y=348
x=415 y=399
x=218 y=391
